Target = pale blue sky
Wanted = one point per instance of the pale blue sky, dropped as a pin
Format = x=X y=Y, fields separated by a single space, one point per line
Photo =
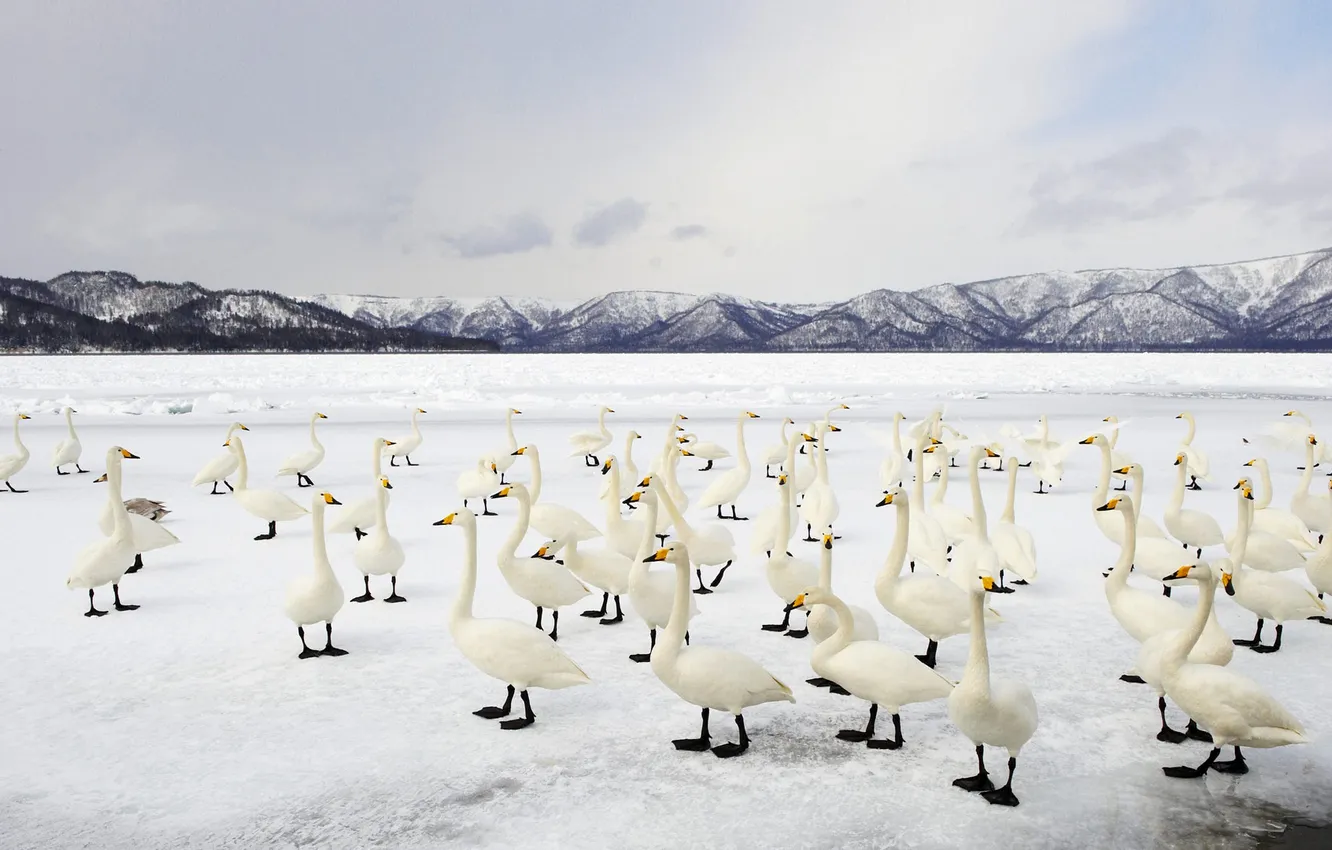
x=775 y=149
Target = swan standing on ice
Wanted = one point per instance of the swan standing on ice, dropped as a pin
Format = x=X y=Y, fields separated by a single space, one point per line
x=145 y=534
x=479 y=483
x=1197 y=460
x=1015 y=545
x=503 y=457
x=873 y=671
x=267 y=505
x=404 y=446
x=774 y=454
x=720 y=679
x=692 y=446
x=787 y=575
x=590 y=443
x=363 y=513
x=651 y=593
x=544 y=584
x=379 y=552
x=998 y=712
x=301 y=463
x=554 y=521
x=11 y=465
x=105 y=561
x=68 y=450
x=1194 y=529
x=518 y=655
x=316 y=598
x=220 y=467
x=727 y=488
x=604 y=569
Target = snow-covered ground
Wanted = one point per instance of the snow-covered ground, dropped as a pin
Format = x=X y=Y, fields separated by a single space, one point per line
x=191 y=723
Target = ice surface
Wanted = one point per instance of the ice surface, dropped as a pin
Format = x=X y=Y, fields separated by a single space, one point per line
x=191 y=723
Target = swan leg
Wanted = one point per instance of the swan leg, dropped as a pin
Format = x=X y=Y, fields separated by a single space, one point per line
x=1235 y=765
x=767 y=471
x=662 y=538
x=1165 y=590
x=809 y=534
x=393 y=596
x=214 y=491
x=93 y=610
x=800 y=633
x=408 y=458
x=1004 y=796
x=12 y=488
x=979 y=782
x=80 y=469
x=271 y=533
x=1274 y=647
x=555 y=627
x=605 y=600
x=895 y=743
x=727 y=751
x=59 y=472
x=783 y=625
x=494 y=712
x=699 y=744
x=702 y=589
x=306 y=651
x=527 y=719
x=1327 y=621
x=738 y=518
x=1123 y=486
x=1193 y=483
x=856 y=735
x=820 y=682
x=1193 y=772
x=230 y=489
x=1132 y=678
x=686 y=638
x=641 y=657
x=393 y=460
x=1022 y=582
x=720 y=515
x=619 y=614
x=137 y=565
x=120 y=606
x=360 y=533
x=706 y=468
x=1002 y=588
x=1168 y=735
x=329 y=648
x=540 y=614
x=720 y=573
x=928 y=659
x=1257 y=636
x=1196 y=734
x=364 y=597
x=485 y=508
x=1040 y=487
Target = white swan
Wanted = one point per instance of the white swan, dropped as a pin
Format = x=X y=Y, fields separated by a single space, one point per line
x=479 y=483
x=590 y=443
x=998 y=712
x=379 y=552
x=145 y=534
x=300 y=463
x=1315 y=511
x=1198 y=464
x=651 y=592
x=955 y=522
x=1192 y=528
x=220 y=467
x=1264 y=550
x=1118 y=459
x=629 y=476
x=770 y=522
x=775 y=453
x=1232 y=707
x=554 y=521
x=11 y=465
x=518 y=655
x=622 y=533
x=927 y=542
x=316 y=598
x=787 y=575
x=1270 y=596
x=105 y=561
x=503 y=457
x=710 y=545
x=822 y=621
x=68 y=450
x=933 y=605
x=545 y=585
x=974 y=556
x=873 y=671
x=404 y=446
x=267 y=505
x=1153 y=557
x=1109 y=524
x=364 y=513
x=892 y=467
x=692 y=446
x=731 y=484
x=819 y=509
x=710 y=678
x=1272 y=520
x=604 y=569
x=1015 y=545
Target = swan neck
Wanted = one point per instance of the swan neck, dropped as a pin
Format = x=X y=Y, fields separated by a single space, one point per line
x=681 y=524
x=1012 y=492
x=1102 y=483
x=743 y=460
x=243 y=466
x=825 y=567
x=314 y=439
x=892 y=565
x=1119 y=574
x=1305 y=479
x=375 y=462
x=846 y=622
x=613 y=495
x=116 y=497
x=1241 y=542
x=18 y=442
x=1265 y=486
x=323 y=569
x=918 y=486
x=462 y=604
x=508 y=427
x=977 y=672
x=678 y=624
x=1177 y=494
x=381 y=510
x=978 y=518
x=520 y=524
x=69 y=421
x=536 y=475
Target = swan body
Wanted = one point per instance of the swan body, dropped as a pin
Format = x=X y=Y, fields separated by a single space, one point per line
x=819 y=509
x=480 y=482
x=710 y=544
x=364 y=513
x=705 y=449
x=404 y=446
x=544 y=584
x=146 y=534
x=651 y=592
x=68 y=450
x=775 y=453
x=267 y=505
x=1198 y=465
x=302 y=462
x=105 y=561
x=788 y=575
x=11 y=465
x=220 y=467
x=1270 y=596
x=316 y=597
x=1275 y=521
x=379 y=553
x=519 y=655
x=1193 y=528
x=726 y=489
x=604 y=569
x=823 y=620
x=552 y=520
x=590 y=443
x=1315 y=511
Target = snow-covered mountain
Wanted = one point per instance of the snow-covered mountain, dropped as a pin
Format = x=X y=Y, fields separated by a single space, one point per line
x=1280 y=303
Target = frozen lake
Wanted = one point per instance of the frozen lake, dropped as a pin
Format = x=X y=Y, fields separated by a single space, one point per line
x=191 y=723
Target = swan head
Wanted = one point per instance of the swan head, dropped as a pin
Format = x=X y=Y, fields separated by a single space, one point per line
x=645 y=483
x=419 y=410
x=385 y=483
x=1090 y=441
x=676 y=553
x=607 y=410
x=518 y=491
x=810 y=597
x=1253 y=462
x=1124 y=470
x=1199 y=572
x=751 y=415
x=1313 y=441
x=462 y=516
x=1110 y=419
x=1180 y=459
x=807 y=437
x=788 y=421
x=781 y=480
x=1228 y=582
x=319 y=415
x=991 y=453
x=633 y=498
x=891 y=496
x=515 y=411
x=522 y=450
x=834 y=429
x=987 y=585
x=547 y=551
x=1245 y=486
x=1291 y=413
x=328 y=499
x=1119 y=503
x=24 y=416
x=685 y=438
x=634 y=435
x=686 y=453
x=390 y=442
x=827 y=540
x=126 y=453
x=607 y=464
x=680 y=417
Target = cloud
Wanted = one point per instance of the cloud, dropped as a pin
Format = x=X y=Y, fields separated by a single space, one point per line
x=517 y=235
x=685 y=232
x=604 y=226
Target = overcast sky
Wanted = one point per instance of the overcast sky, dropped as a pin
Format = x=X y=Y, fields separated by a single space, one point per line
x=787 y=150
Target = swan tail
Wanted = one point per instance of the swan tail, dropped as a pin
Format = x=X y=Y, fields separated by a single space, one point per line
x=1278 y=736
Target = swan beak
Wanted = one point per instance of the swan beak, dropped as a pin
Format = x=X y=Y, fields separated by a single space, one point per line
x=659 y=555
x=1252 y=462
x=646 y=482
x=448 y=520
x=128 y=455
x=1180 y=416
x=1179 y=459
x=24 y=416
x=633 y=497
x=606 y=467
x=1248 y=492
x=827 y=541
x=242 y=427
x=686 y=453
x=808 y=439
x=834 y=428
x=101 y=479
x=991 y=453
x=610 y=410
x=501 y=494
x=929 y=450
x=329 y=500
x=227 y=444
x=1109 y=506
x=1125 y=471
x=386 y=484
x=494 y=468
x=1086 y=442
x=681 y=439
x=844 y=407
x=320 y=416
x=886 y=500
x=419 y=410
x=1106 y=419
x=523 y=450
x=781 y=479
x=681 y=416
x=1313 y=441
x=1181 y=573
x=542 y=553
x=516 y=412
x=987 y=583
x=752 y=415
x=798 y=602
x=1289 y=413
x=1226 y=583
